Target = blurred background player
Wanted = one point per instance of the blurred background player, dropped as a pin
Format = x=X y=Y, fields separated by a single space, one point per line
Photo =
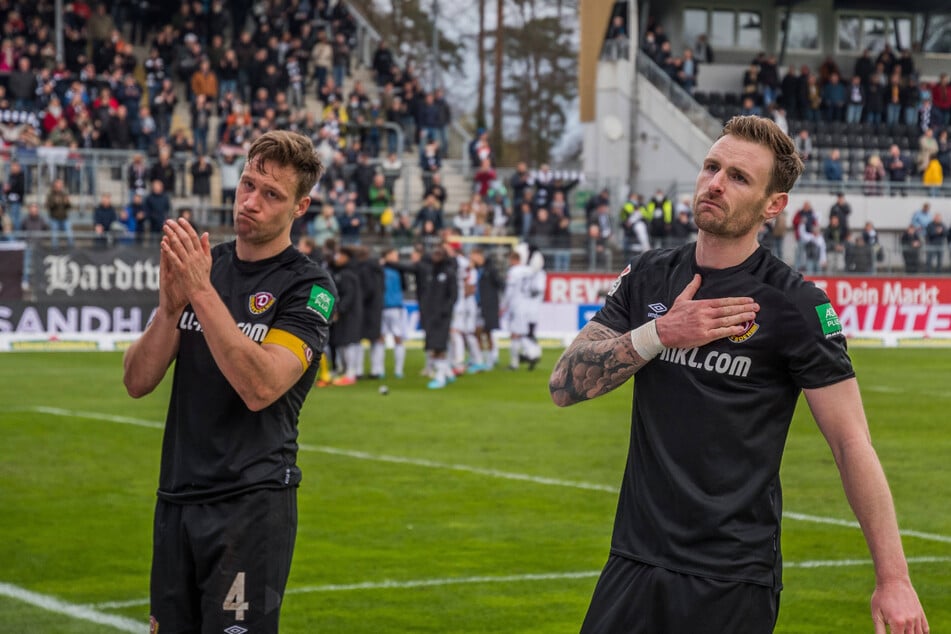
x=489 y=286
x=517 y=307
x=371 y=290
x=462 y=331
x=348 y=319
x=532 y=350
x=394 y=313
x=436 y=302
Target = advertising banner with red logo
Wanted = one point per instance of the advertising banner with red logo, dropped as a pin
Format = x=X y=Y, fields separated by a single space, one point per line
x=876 y=306
x=890 y=305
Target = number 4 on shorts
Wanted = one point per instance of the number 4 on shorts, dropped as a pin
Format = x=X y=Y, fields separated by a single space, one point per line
x=234 y=600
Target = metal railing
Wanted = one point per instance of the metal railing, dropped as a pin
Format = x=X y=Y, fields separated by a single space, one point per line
x=808 y=183
x=89 y=173
x=679 y=97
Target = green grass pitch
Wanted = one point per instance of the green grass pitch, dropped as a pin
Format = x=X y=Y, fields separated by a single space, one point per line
x=478 y=508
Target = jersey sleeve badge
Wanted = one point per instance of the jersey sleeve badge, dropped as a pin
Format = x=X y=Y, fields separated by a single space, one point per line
x=321 y=301
x=617 y=283
x=829 y=320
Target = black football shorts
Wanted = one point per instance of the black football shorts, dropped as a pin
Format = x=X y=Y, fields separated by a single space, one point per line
x=222 y=566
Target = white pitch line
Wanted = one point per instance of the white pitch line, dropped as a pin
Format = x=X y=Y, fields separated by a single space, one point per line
x=816 y=519
x=109 y=418
x=90 y=612
x=839 y=563
x=391 y=584
x=81 y=612
x=493 y=473
x=388 y=584
x=432 y=464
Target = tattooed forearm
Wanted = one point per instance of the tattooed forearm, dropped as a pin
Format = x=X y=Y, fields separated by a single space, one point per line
x=597 y=361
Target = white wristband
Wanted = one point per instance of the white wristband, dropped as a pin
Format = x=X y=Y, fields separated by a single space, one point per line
x=646 y=343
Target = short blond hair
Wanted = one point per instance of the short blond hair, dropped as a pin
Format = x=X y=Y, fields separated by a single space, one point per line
x=787 y=166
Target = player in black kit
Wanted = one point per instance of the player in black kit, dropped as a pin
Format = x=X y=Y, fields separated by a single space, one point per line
x=723 y=337
x=245 y=323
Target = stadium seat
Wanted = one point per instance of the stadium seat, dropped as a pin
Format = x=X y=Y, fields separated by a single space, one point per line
x=857 y=170
x=837 y=127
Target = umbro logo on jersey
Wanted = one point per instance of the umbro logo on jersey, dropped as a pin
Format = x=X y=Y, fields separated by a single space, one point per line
x=235 y=629
x=260 y=302
x=749 y=330
x=657 y=309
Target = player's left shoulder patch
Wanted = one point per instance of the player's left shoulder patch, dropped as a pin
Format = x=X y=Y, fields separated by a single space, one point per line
x=828 y=320
x=321 y=301
x=617 y=283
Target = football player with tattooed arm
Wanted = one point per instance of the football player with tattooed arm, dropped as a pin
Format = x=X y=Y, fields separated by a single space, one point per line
x=723 y=337
x=244 y=323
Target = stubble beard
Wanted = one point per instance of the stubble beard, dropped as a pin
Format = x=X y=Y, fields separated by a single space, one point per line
x=733 y=224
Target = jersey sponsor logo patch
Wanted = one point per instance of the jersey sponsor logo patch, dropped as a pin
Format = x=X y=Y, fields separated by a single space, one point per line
x=829 y=320
x=617 y=283
x=749 y=330
x=321 y=301
x=656 y=310
x=260 y=302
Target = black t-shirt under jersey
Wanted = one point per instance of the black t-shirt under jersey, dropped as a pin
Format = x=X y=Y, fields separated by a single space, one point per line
x=701 y=492
x=214 y=446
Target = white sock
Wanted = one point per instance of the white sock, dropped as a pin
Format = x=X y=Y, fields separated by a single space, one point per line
x=377 y=354
x=399 y=358
x=475 y=352
x=514 y=345
x=457 y=348
x=352 y=358
x=443 y=369
x=358 y=367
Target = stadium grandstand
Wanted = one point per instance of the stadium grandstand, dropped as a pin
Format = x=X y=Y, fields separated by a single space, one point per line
x=858 y=86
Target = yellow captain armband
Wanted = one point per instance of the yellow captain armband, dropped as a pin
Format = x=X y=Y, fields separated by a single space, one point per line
x=303 y=352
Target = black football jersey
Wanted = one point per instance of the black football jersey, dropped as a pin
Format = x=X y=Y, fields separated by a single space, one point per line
x=701 y=492
x=214 y=446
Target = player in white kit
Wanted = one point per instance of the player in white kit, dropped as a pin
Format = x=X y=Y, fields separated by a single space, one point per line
x=519 y=307
x=464 y=313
